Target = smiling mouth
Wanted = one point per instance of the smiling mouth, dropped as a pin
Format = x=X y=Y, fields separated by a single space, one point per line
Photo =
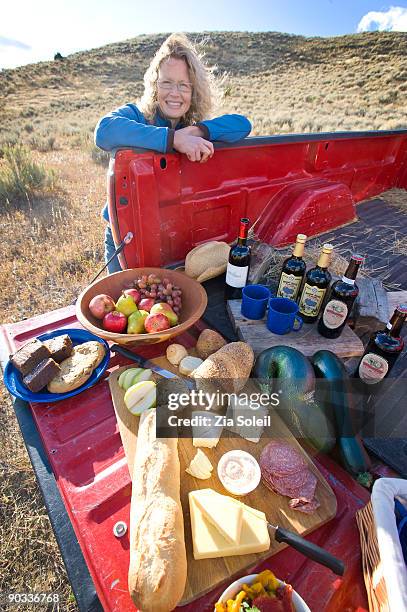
x=174 y=104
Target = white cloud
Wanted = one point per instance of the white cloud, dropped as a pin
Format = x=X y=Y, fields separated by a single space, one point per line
x=393 y=20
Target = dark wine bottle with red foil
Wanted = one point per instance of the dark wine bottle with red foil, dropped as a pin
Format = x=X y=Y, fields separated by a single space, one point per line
x=238 y=265
x=383 y=349
x=340 y=300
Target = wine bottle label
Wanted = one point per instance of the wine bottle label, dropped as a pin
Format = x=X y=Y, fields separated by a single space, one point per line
x=373 y=368
x=335 y=313
x=236 y=276
x=289 y=286
x=311 y=300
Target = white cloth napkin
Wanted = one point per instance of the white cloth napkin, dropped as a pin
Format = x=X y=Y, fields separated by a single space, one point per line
x=391 y=556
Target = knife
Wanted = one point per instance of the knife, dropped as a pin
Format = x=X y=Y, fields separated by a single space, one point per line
x=146 y=363
x=307 y=548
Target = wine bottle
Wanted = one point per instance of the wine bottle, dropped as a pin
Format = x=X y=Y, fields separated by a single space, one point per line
x=383 y=349
x=315 y=287
x=238 y=266
x=293 y=271
x=340 y=301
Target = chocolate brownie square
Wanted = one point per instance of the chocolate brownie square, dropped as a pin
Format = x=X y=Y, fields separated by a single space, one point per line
x=60 y=347
x=42 y=374
x=29 y=356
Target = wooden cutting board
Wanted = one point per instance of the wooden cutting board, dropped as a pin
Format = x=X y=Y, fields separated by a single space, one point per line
x=206 y=574
x=307 y=340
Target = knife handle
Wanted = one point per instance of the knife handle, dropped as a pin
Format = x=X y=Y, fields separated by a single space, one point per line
x=310 y=550
x=116 y=348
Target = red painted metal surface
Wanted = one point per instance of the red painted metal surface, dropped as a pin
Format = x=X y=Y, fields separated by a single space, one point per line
x=81 y=438
x=171 y=204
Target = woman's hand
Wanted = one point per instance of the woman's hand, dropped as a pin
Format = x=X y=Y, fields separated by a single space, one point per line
x=189 y=141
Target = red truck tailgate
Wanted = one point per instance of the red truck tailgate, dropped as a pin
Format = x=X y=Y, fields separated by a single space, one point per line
x=81 y=438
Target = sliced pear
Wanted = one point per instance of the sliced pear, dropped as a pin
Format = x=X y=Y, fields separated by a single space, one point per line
x=141 y=397
x=128 y=376
x=200 y=466
x=141 y=375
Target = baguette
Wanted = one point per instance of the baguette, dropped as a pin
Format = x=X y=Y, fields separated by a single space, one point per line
x=158 y=564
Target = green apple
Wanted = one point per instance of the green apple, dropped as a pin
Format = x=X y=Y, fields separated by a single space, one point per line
x=165 y=309
x=126 y=305
x=141 y=397
x=135 y=322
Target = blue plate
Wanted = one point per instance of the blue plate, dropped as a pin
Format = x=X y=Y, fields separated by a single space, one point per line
x=14 y=381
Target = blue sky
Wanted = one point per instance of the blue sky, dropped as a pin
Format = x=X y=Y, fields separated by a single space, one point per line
x=33 y=30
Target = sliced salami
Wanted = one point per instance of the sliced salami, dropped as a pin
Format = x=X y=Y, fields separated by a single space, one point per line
x=285 y=471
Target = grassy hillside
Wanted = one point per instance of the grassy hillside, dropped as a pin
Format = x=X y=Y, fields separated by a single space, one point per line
x=282 y=83
x=52 y=235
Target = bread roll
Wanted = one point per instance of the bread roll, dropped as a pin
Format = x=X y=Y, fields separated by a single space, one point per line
x=230 y=366
x=209 y=342
x=158 y=564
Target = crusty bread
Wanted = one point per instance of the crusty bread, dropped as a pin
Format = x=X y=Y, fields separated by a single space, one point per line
x=230 y=366
x=207 y=260
x=158 y=564
x=76 y=369
x=209 y=342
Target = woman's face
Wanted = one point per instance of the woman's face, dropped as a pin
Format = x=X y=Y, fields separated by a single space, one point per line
x=174 y=89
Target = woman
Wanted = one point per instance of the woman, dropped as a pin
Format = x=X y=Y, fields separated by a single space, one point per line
x=178 y=95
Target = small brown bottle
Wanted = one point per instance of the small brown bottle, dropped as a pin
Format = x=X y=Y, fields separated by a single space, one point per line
x=315 y=287
x=293 y=271
x=383 y=349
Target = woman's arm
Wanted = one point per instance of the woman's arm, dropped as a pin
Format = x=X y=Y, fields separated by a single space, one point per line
x=226 y=128
x=127 y=127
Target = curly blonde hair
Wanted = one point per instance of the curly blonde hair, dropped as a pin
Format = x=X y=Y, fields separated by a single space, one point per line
x=205 y=90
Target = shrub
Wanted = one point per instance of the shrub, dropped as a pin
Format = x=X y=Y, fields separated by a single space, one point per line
x=43 y=144
x=20 y=177
x=99 y=156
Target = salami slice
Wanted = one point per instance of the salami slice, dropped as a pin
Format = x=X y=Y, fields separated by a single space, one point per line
x=281 y=458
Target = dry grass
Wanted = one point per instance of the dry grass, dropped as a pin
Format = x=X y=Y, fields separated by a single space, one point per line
x=51 y=247
x=395 y=197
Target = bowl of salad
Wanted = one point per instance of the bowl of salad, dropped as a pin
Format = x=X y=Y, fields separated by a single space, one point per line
x=260 y=593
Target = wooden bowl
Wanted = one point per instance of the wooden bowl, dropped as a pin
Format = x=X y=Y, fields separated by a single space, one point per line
x=194 y=301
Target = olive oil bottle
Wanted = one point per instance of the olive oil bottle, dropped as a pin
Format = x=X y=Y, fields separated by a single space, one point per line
x=340 y=300
x=383 y=349
x=293 y=271
x=315 y=287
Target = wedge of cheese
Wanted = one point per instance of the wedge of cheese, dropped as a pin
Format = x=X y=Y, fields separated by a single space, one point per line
x=221 y=512
x=209 y=543
x=206 y=435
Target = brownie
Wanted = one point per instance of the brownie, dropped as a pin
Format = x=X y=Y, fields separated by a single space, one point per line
x=41 y=375
x=29 y=356
x=60 y=347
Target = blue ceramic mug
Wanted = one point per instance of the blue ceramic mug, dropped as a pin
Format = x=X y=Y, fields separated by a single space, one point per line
x=254 y=301
x=282 y=316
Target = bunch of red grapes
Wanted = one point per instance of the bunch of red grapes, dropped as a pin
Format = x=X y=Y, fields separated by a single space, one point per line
x=152 y=286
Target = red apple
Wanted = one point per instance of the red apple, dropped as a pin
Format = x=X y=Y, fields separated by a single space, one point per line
x=115 y=322
x=146 y=304
x=136 y=295
x=156 y=322
x=101 y=305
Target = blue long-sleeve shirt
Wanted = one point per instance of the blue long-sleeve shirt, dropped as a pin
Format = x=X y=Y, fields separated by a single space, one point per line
x=127 y=127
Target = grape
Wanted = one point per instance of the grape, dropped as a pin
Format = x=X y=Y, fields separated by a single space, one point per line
x=154 y=286
x=170 y=301
x=144 y=278
x=176 y=309
x=165 y=281
x=153 y=294
x=160 y=287
x=142 y=285
x=147 y=294
x=160 y=295
x=177 y=301
x=165 y=292
x=169 y=286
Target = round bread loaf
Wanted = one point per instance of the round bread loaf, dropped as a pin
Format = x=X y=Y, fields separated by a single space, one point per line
x=76 y=369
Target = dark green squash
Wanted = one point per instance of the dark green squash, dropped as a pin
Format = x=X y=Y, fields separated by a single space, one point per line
x=338 y=396
x=285 y=370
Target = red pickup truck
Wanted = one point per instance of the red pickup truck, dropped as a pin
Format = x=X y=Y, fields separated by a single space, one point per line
x=282 y=183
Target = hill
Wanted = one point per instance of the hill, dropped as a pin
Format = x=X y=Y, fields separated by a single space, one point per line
x=284 y=83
